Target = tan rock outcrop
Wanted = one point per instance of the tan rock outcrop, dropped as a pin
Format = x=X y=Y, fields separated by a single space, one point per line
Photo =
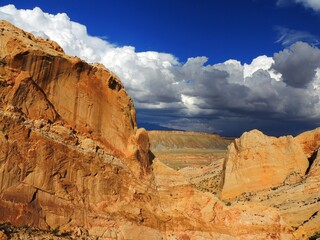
x=192 y=214
x=255 y=162
x=70 y=151
x=251 y=175
x=38 y=79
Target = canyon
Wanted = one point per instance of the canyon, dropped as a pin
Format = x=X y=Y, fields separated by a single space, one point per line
x=73 y=160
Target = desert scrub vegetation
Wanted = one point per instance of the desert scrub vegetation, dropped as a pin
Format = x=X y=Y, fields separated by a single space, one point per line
x=315 y=236
x=9 y=231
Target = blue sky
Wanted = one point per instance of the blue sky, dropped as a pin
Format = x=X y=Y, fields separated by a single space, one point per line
x=220 y=30
x=217 y=66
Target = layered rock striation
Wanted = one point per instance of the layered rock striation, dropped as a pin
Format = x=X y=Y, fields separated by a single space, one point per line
x=70 y=151
x=281 y=173
x=256 y=161
x=42 y=82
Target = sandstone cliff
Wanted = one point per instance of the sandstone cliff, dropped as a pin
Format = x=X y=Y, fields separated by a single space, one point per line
x=70 y=151
x=42 y=82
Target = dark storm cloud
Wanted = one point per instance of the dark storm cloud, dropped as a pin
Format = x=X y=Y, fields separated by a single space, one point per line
x=297 y=64
x=260 y=95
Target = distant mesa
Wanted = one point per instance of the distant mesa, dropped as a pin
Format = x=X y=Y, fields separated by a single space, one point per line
x=161 y=140
x=153 y=126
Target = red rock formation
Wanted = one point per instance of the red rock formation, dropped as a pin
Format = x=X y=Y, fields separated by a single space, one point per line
x=310 y=141
x=70 y=151
x=45 y=83
x=255 y=162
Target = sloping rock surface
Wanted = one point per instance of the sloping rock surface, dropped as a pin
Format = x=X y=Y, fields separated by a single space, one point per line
x=70 y=151
x=42 y=82
x=282 y=173
x=255 y=162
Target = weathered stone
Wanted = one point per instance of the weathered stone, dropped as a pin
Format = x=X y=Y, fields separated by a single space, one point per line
x=70 y=151
x=44 y=83
x=3 y=236
x=255 y=162
x=310 y=141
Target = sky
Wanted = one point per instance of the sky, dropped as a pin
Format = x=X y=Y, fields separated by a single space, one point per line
x=223 y=66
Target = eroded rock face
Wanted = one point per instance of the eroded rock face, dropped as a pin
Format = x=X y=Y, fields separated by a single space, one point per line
x=310 y=141
x=47 y=182
x=192 y=214
x=255 y=162
x=44 y=83
x=70 y=151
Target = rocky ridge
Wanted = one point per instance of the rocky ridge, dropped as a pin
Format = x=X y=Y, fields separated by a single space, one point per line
x=256 y=161
x=282 y=173
x=69 y=141
x=42 y=82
